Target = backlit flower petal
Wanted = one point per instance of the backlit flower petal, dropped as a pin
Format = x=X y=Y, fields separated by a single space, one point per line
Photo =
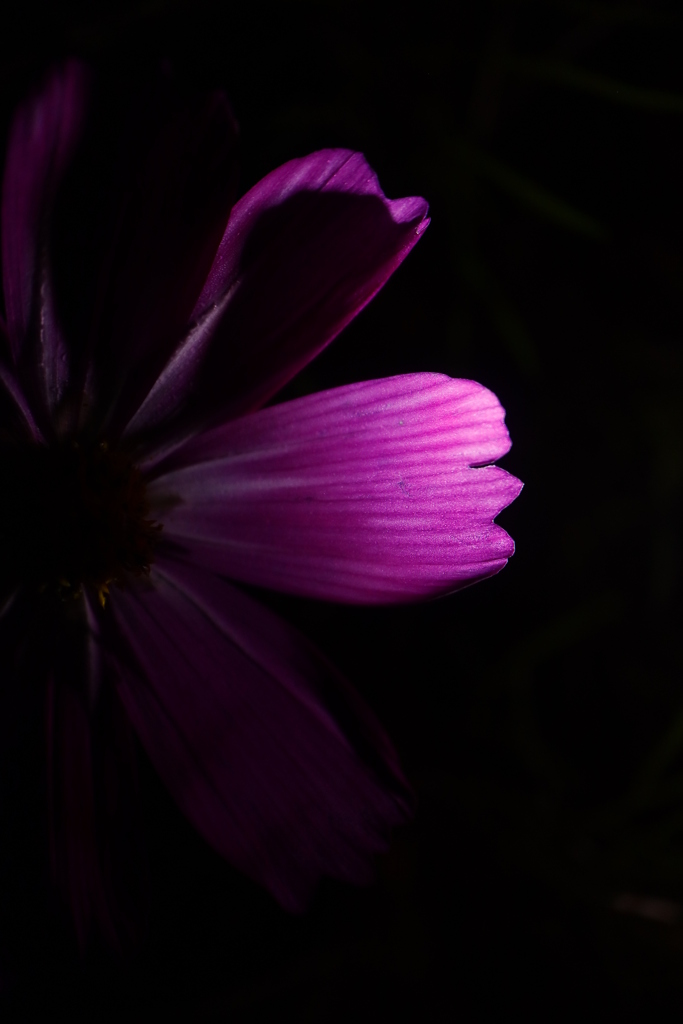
x=273 y=758
x=304 y=250
x=365 y=493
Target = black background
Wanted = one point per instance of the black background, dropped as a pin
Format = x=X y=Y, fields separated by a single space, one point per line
x=539 y=715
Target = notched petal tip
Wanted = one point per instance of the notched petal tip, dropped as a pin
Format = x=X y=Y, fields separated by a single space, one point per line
x=377 y=492
x=304 y=251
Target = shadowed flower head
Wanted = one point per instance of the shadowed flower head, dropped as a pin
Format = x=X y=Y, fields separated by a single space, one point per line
x=148 y=321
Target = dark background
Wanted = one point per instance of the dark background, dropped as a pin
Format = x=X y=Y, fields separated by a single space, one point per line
x=540 y=714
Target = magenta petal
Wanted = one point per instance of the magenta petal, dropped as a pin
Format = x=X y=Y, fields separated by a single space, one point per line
x=44 y=134
x=365 y=493
x=304 y=250
x=241 y=718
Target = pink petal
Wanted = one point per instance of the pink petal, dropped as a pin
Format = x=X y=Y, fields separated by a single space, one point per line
x=365 y=493
x=241 y=719
x=303 y=252
x=43 y=137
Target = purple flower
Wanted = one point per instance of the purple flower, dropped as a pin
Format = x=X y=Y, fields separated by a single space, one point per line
x=143 y=473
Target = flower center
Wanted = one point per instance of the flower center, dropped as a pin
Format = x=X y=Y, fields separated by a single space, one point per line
x=73 y=515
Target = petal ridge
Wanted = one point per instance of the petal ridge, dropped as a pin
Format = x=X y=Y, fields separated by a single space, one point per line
x=381 y=491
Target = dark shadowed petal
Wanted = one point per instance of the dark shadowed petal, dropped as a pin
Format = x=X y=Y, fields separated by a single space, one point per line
x=95 y=850
x=267 y=751
x=22 y=788
x=365 y=493
x=67 y=757
x=42 y=140
x=75 y=857
x=303 y=252
x=16 y=418
x=116 y=269
x=179 y=191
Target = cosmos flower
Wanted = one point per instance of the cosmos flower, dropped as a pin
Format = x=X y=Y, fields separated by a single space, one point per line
x=149 y=319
